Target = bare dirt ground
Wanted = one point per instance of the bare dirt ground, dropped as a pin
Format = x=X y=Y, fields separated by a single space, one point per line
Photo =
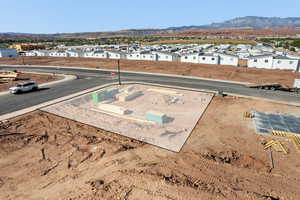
x=23 y=77
x=284 y=77
x=222 y=159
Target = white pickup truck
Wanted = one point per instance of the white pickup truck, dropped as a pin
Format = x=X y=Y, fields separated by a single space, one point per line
x=24 y=87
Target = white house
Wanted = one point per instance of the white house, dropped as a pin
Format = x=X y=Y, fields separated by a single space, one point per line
x=8 y=53
x=208 y=59
x=88 y=54
x=148 y=56
x=100 y=54
x=58 y=54
x=274 y=62
x=282 y=62
x=200 y=58
x=73 y=53
x=95 y=54
x=261 y=61
x=226 y=59
x=190 y=58
x=134 y=56
x=42 y=53
x=30 y=53
x=116 y=55
x=166 y=56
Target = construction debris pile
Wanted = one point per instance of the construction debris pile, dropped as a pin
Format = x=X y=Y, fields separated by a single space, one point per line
x=8 y=76
x=277 y=125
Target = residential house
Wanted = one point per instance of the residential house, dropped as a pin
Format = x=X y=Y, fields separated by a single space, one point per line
x=166 y=56
x=273 y=62
x=190 y=58
x=30 y=53
x=148 y=56
x=282 y=62
x=116 y=55
x=74 y=53
x=134 y=56
x=261 y=61
x=227 y=59
x=58 y=54
x=208 y=59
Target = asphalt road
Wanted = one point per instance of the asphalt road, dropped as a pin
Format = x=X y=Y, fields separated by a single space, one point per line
x=91 y=78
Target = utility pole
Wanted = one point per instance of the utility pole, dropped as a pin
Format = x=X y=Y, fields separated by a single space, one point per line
x=119 y=75
x=23 y=59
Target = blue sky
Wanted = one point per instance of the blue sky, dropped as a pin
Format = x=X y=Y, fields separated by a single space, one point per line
x=57 y=16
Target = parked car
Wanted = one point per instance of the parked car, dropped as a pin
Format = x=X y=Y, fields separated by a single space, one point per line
x=24 y=87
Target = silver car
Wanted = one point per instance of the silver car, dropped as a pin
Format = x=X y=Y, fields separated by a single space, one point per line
x=24 y=87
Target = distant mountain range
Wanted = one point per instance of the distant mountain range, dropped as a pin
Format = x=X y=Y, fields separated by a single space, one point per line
x=252 y=22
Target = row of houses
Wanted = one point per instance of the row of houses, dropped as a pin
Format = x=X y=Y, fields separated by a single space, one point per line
x=216 y=58
x=151 y=56
x=267 y=61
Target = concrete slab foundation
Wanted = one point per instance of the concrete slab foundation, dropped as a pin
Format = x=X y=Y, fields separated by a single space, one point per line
x=160 y=116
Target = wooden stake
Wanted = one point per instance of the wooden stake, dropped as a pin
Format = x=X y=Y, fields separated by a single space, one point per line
x=43 y=153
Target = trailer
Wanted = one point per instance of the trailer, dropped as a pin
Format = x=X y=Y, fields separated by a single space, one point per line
x=265 y=86
x=277 y=86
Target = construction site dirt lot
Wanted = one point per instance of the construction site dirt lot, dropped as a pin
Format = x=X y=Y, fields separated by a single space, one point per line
x=222 y=159
x=23 y=77
x=285 y=77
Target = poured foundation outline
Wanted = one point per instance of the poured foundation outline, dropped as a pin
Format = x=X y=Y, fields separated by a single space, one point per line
x=156 y=115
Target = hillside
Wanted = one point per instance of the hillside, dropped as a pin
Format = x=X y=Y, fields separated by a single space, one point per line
x=241 y=26
x=249 y=21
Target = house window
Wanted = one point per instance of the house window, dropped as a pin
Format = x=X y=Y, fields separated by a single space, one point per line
x=278 y=61
x=212 y=58
x=266 y=61
x=194 y=57
x=144 y=56
x=166 y=56
x=291 y=62
x=186 y=57
x=203 y=58
x=150 y=56
x=255 y=60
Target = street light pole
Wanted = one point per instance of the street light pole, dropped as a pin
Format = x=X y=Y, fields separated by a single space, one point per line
x=119 y=75
x=23 y=59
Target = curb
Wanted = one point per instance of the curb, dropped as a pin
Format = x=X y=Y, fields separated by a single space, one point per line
x=66 y=78
x=111 y=70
